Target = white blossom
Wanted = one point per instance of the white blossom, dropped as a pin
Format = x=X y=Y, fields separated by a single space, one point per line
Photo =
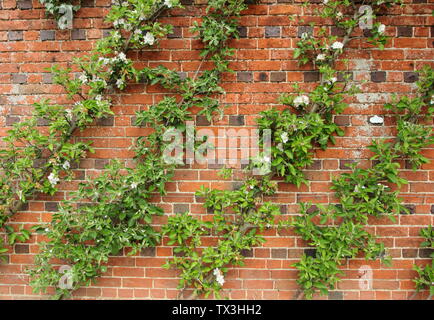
x=118 y=22
x=66 y=165
x=69 y=112
x=337 y=45
x=321 y=57
x=332 y=80
x=325 y=1
x=122 y=56
x=280 y=146
x=284 y=137
x=116 y=35
x=301 y=100
x=98 y=98
x=168 y=3
x=305 y=35
x=137 y=31
x=432 y=99
x=266 y=159
x=339 y=15
x=83 y=78
x=381 y=28
x=53 y=179
x=219 y=276
x=149 y=39
x=134 y=185
x=104 y=61
x=119 y=83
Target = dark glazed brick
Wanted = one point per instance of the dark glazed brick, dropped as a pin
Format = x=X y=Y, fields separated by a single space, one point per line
x=272 y=32
x=312 y=209
x=432 y=209
x=316 y=165
x=202 y=121
x=247 y=253
x=311 y=76
x=186 y=2
x=52 y=206
x=347 y=74
x=24 y=207
x=101 y=163
x=304 y=29
x=10 y=120
x=177 y=33
x=279 y=253
x=378 y=76
x=310 y=252
x=343 y=164
x=181 y=207
x=24 y=4
x=410 y=77
x=278 y=76
x=80 y=175
x=410 y=207
x=87 y=3
x=106 y=33
x=263 y=76
x=420 y=1
x=237 y=185
x=182 y=75
x=78 y=34
x=15 y=35
x=19 y=78
x=336 y=295
x=342 y=120
x=283 y=209
x=22 y=248
x=47 y=35
x=236 y=120
x=339 y=32
x=244 y=76
x=43 y=122
x=425 y=252
x=405 y=31
x=367 y=33
x=148 y=252
x=106 y=122
x=409 y=253
x=215 y=165
x=242 y=32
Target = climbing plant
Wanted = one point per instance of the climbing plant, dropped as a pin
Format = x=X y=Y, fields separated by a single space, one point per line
x=112 y=212
x=296 y=131
x=36 y=159
x=119 y=214
x=337 y=231
x=61 y=10
x=238 y=217
x=425 y=278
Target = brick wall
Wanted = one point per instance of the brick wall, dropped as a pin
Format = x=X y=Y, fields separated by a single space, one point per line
x=264 y=69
